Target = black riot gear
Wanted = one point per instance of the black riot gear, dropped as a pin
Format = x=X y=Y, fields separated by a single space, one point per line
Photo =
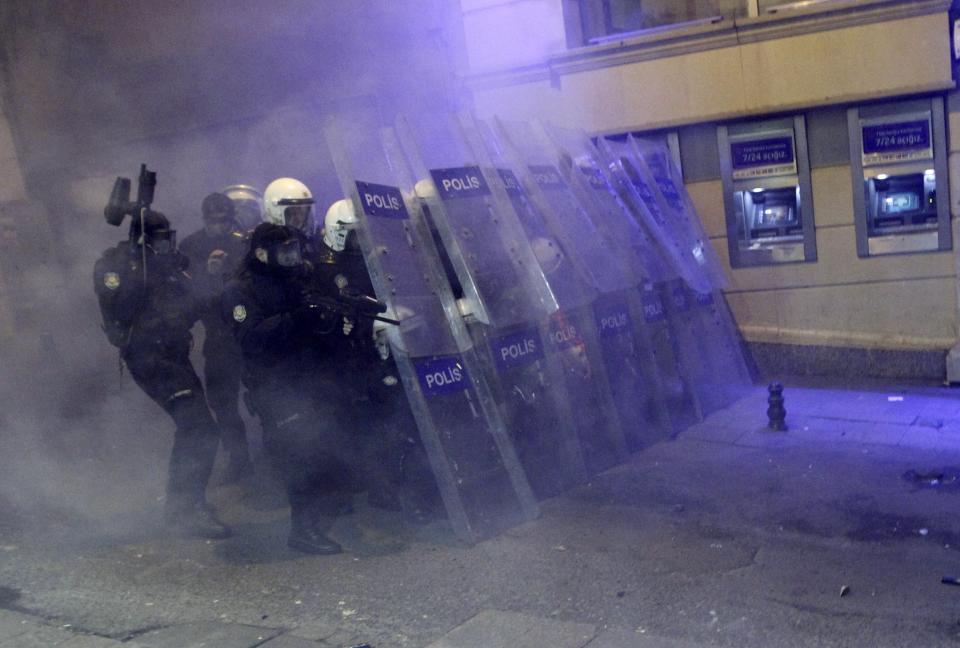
x=148 y=317
x=277 y=250
x=288 y=340
x=216 y=252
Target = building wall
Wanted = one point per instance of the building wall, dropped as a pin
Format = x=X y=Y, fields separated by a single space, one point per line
x=760 y=67
x=722 y=72
x=900 y=302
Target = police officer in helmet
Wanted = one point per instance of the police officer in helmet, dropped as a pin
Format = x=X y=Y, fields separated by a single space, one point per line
x=216 y=252
x=392 y=462
x=287 y=339
x=248 y=204
x=147 y=310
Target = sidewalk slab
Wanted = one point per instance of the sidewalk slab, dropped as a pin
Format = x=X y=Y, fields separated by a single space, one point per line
x=767 y=439
x=13 y=624
x=847 y=431
x=713 y=433
x=498 y=629
x=92 y=641
x=929 y=438
x=314 y=630
x=289 y=641
x=626 y=638
x=207 y=635
x=39 y=636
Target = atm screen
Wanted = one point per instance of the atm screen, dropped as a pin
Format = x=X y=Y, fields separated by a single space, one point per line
x=900 y=202
x=775 y=215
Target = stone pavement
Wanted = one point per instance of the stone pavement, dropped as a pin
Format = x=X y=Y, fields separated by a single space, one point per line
x=834 y=533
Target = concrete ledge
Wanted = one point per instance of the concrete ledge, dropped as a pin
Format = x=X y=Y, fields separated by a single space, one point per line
x=771 y=360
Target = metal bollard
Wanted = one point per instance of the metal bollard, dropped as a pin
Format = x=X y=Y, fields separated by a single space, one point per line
x=776 y=412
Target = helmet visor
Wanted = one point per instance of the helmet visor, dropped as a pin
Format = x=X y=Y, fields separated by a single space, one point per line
x=287 y=254
x=163 y=241
x=297 y=216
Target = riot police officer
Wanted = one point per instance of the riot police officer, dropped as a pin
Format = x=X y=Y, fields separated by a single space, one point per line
x=215 y=252
x=288 y=339
x=392 y=462
x=147 y=313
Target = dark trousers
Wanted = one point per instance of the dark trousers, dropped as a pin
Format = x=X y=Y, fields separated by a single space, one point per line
x=223 y=365
x=305 y=436
x=393 y=462
x=170 y=381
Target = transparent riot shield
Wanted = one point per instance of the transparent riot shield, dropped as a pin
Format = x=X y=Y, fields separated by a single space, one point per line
x=671 y=194
x=546 y=191
x=636 y=188
x=716 y=314
x=713 y=363
x=480 y=479
x=648 y=265
x=569 y=333
x=507 y=301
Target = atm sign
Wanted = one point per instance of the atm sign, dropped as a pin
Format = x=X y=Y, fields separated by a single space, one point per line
x=761 y=153
x=901 y=136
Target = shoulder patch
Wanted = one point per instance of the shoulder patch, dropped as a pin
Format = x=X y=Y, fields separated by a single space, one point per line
x=239 y=313
x=341 y=281
x=111 y=280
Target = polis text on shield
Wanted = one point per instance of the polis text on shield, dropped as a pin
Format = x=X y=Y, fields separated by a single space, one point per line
x=613 y=322
x=381 y=202
x=567 y=333
x=518 y=350
x=449 y=376
x=463 y=183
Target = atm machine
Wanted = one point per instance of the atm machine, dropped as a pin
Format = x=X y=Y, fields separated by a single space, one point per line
x=767 y=194
x=897 y=153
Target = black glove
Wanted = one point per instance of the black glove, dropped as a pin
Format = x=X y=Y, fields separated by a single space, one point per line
x=318 y=318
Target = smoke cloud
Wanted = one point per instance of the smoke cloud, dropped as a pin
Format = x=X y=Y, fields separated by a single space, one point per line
x=207 y=94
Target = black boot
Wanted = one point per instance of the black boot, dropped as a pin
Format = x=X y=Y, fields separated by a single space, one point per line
x=196 y=522
x=308 y=538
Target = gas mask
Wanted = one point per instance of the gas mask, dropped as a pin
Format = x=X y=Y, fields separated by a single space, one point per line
x=284 y=256
x=162 y=242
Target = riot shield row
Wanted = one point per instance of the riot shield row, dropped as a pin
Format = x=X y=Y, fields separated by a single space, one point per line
x=559 y=303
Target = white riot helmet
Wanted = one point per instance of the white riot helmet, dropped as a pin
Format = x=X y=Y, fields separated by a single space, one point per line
x=338 y=223
x=289 y=202
x=425 y=189
x=548 y=254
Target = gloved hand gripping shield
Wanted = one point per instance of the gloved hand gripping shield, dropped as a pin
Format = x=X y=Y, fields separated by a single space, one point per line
x=478 y=474
x=507 y=300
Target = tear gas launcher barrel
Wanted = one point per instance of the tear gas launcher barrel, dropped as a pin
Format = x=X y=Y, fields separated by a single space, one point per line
x=120 y=205
x=351 y=303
